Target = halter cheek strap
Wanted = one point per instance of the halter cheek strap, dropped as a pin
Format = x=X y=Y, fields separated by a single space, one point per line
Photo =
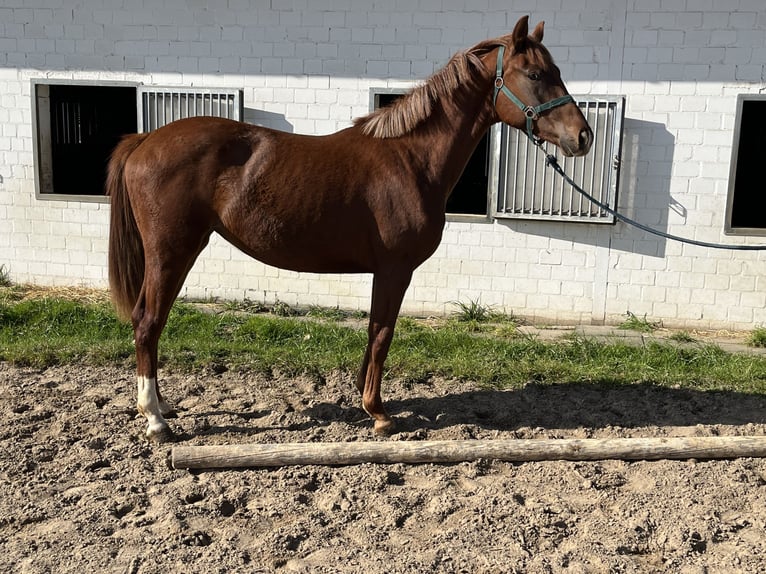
x=531 y=112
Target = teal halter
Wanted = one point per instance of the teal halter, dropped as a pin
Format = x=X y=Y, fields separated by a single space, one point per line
x=531 y=112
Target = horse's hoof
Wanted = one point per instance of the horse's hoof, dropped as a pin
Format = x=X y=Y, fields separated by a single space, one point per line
x=385 y=427
x=162 y=436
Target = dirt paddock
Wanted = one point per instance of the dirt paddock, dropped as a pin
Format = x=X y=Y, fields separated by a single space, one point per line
x=82 y=491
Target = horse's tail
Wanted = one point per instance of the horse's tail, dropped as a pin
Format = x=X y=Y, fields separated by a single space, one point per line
x=126 y=250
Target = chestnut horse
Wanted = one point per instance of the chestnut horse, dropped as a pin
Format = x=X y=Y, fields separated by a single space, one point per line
x=367 y=199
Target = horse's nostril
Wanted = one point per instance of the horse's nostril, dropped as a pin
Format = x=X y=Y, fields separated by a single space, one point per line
x=585 y=139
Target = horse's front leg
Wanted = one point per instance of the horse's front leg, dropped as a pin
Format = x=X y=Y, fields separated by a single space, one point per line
x=387 y=294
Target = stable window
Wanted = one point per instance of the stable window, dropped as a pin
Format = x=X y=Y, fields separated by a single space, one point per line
x=470 y=194
x=159 y=105
x=525 y=188
x=77 y=124
x=76 y=127
x=746 y=202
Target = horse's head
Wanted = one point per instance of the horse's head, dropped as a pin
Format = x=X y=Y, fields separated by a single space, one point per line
x=529 y=94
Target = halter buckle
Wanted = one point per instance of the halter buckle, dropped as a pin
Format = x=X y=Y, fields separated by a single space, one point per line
x=530 y=112
x=499 y=82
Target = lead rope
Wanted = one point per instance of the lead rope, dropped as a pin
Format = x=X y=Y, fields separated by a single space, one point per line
x=551 y=161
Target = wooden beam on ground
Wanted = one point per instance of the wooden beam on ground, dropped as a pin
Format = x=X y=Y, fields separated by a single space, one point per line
x=451 y=451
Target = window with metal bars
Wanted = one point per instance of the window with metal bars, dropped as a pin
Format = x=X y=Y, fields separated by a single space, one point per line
x=77 y=124
x=159 y=105
x=525 y=188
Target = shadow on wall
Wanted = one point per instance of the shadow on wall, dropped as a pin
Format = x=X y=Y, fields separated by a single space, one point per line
x=643 y=194
x=267 y=119
x=647 y=162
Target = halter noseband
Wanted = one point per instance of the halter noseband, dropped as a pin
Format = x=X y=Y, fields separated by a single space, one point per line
x=531 y=112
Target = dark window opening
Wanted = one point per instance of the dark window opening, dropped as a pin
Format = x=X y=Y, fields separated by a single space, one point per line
x=469 y=197
x=77 y=129
x=86 y=124
x=470 y=193
x=746 y=207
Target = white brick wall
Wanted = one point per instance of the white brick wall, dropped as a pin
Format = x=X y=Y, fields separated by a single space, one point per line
x=308 y=67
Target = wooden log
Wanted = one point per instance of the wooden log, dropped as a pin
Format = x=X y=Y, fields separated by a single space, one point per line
x=451 y=451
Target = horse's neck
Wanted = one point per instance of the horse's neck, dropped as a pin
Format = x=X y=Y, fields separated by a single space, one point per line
x=445 y=143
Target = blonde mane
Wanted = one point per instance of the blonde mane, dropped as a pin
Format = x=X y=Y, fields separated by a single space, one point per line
x=406 y=113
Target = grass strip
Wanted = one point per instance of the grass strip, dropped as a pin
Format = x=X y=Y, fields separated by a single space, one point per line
x=48 y=331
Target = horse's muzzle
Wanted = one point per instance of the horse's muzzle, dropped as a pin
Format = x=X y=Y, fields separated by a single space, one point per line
x=577 y=146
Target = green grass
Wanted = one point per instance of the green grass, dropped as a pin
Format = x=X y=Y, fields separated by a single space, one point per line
x=682 y=337
x=49 y=331
x=472 y=311
x=42 y=332
x=282 y=309
x=245 y=305
x=757 y=337
x=475 y=317
x=327 y=313
x=5 y=276
x=641 y=324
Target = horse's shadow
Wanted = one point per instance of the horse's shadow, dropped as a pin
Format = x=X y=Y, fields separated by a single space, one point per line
x=557 y=406
x=566 y=406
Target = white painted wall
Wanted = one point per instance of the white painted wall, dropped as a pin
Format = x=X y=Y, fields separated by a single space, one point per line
x=308 y=66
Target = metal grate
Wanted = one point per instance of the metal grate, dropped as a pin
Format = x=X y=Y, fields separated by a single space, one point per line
x=66 y=123
x=528 y=189
x=159 y=106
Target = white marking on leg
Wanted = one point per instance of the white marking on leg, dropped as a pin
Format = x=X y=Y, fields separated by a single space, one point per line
x=149 y=405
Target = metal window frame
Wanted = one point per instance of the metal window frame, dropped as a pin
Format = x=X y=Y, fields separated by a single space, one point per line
x=728 y=228
x=41 y=136
x=41 y=124
x=375 y=93
x=519 y=168
x=160 y=105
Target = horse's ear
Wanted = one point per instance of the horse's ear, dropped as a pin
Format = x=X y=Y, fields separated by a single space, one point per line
x=519 y=34
x=537 y=33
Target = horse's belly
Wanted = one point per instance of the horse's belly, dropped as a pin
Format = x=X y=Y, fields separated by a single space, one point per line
x=306 y=255
x=304 y=264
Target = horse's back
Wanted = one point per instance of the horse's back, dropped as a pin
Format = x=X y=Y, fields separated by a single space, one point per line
x=193 y=144
x=183 y=164
x=335 y=203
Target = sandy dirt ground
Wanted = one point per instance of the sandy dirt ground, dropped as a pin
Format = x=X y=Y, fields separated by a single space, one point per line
x=82 y=491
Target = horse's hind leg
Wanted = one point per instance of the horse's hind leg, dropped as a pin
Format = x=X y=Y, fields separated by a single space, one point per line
x=163 y=280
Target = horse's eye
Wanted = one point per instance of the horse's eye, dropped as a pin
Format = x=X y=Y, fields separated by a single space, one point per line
x=534 y=76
